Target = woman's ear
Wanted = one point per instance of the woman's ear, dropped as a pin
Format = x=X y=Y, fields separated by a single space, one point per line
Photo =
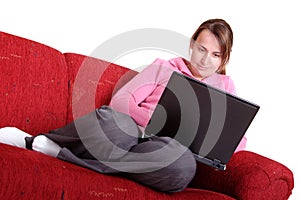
x=191 y=46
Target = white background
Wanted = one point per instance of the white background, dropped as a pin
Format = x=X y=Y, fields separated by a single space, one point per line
x=264 y=62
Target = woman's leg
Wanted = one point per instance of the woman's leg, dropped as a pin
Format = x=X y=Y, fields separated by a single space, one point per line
x=173 y=166
x=46 y=146
x=16 y=137
x=13 y=136
x=161 y=163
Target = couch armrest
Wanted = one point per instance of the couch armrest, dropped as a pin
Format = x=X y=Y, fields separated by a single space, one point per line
x=248 y=176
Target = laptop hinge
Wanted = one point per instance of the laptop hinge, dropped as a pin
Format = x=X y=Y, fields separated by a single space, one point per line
x=217 y=163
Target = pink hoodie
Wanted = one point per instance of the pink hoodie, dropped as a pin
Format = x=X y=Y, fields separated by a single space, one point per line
x=139 y=97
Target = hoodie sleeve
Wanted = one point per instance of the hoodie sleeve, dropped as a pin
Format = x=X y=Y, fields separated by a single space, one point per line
x=230 y=87
x=140 y=95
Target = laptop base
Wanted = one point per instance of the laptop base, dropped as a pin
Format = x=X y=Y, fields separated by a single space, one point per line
x=213 y=163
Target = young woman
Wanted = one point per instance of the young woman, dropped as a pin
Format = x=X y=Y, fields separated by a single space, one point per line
x=107 y=140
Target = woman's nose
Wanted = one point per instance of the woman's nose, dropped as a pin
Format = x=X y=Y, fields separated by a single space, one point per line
x=204 y=59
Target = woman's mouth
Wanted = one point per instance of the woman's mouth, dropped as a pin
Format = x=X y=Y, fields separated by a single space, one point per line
x=200 y=67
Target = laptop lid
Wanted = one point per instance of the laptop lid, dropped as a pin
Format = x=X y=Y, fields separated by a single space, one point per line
x=207 y=120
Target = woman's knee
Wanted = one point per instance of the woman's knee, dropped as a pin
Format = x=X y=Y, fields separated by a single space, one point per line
x=171 y=178
x=181 y=172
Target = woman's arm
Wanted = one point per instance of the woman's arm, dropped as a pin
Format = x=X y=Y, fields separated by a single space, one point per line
x=140 y=95
x=230 y=87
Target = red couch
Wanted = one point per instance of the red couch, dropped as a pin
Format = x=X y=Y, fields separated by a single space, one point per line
x=38 y=93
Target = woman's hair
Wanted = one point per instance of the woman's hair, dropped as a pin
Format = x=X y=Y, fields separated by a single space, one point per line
x=222 y=31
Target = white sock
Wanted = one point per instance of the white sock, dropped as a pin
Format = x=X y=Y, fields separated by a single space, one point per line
x=44 y=145
x=13 y=136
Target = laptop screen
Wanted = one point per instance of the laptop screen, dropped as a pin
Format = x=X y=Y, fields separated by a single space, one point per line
x=210 y=122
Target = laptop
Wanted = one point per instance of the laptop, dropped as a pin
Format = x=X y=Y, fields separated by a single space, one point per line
x=207 y=120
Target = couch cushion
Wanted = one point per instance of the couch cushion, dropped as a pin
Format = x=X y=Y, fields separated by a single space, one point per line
x=42 y=177
x=34 y=89
x=92 y=82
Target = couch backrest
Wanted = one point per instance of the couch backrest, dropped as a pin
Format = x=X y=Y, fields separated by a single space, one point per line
x=42 y=89
x=92 y=83
x=34 y=85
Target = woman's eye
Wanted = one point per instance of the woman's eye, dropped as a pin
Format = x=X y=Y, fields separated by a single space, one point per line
x=216 y=55
x=201 y=49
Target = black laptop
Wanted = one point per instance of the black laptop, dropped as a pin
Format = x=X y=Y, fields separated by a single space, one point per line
x=207 y=120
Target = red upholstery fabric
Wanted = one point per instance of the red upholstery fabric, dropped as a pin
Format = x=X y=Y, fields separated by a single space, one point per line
x=92 y=83
x=33 y=87
x=32 y=175
x=248 y=176
x=39 y=92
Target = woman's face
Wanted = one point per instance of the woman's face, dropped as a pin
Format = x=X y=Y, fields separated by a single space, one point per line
x=206 y=55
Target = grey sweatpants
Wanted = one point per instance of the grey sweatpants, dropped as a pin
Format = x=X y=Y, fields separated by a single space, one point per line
x=108 y=141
